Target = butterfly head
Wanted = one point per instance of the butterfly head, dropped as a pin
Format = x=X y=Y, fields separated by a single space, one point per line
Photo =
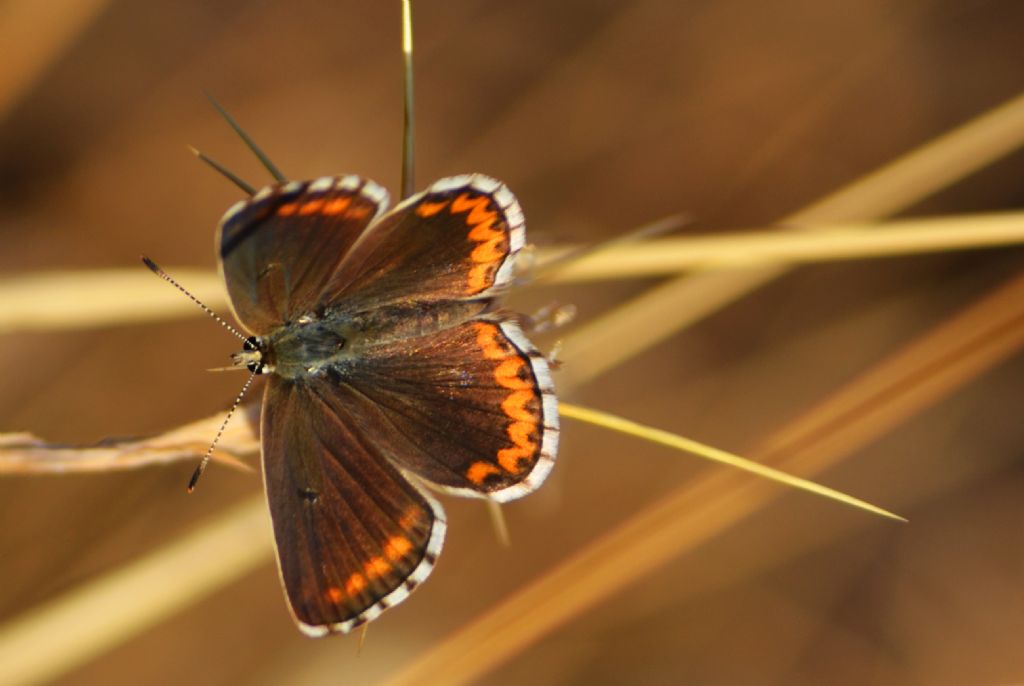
x=252 y=356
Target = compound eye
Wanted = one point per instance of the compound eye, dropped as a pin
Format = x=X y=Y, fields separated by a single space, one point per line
x=255 y=367
x=250 y=343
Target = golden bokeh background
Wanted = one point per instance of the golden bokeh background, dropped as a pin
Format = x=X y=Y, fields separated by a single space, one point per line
x=601 y=116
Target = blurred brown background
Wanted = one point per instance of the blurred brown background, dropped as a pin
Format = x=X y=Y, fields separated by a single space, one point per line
x=600 y=116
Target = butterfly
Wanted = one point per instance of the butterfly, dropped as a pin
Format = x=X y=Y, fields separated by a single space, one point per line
x=391 y=369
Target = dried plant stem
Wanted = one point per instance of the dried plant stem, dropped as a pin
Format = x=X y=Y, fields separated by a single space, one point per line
x=912 y=379
x=25 y=454
x=67 y=300
x=707 y=452
x=672 y=256
x=73 y=300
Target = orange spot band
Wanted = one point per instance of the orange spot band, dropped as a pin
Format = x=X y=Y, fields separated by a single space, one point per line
x=336 y=206
x=492 y=247
x=411 y=516
x=429 y=209
x=510 y=458
x=396 y=548
x=487 y=339
x=507 y=374
x=355 y=584
x=521 y=434
x=311 y=207
x=377 y=566
x=488 y=252
x=514 y=406
x=479 y=471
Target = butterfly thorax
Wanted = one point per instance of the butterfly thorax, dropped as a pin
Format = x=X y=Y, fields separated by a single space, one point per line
x=300 y=348
x=312 y=344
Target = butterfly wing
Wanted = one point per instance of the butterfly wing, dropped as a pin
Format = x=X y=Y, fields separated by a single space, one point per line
x=353 y=536
x=455 y=241
x=453 y=394
x=279 y=248
x=470 y=409
x=462 y=399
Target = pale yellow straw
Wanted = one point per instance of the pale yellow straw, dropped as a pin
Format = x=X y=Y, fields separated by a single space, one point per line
x=90 y=298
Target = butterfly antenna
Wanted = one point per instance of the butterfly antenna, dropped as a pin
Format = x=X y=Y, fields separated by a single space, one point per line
x=209 y=451
x=155 y=268
x=408 y=151
x=223 y=171
x=264 y=160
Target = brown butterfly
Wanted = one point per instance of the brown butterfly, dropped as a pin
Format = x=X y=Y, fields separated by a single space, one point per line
x=391 y=367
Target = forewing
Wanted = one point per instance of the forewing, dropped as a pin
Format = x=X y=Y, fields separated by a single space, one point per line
x=353 y=536
x=471 y=409
x=456 y=240
x=279 y=248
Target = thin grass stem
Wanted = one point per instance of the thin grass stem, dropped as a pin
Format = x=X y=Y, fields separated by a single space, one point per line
x=707 y=452
x=741 y=250
x=70 y=300
x=22 y=453
x=249 y=142
x=223 y=171
x=408 y=112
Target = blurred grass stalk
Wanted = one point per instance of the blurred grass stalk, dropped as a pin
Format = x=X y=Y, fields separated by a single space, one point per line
x=672 y=256
x=68 y=631
x=86 y=299
x=22 y=453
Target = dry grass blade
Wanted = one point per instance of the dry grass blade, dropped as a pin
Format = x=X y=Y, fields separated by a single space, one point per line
x=666 y=438
x=552 y=262
x=39 y=646
x=67 y=300
x=22 y=453
x=918 y=376
x=672 y=256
